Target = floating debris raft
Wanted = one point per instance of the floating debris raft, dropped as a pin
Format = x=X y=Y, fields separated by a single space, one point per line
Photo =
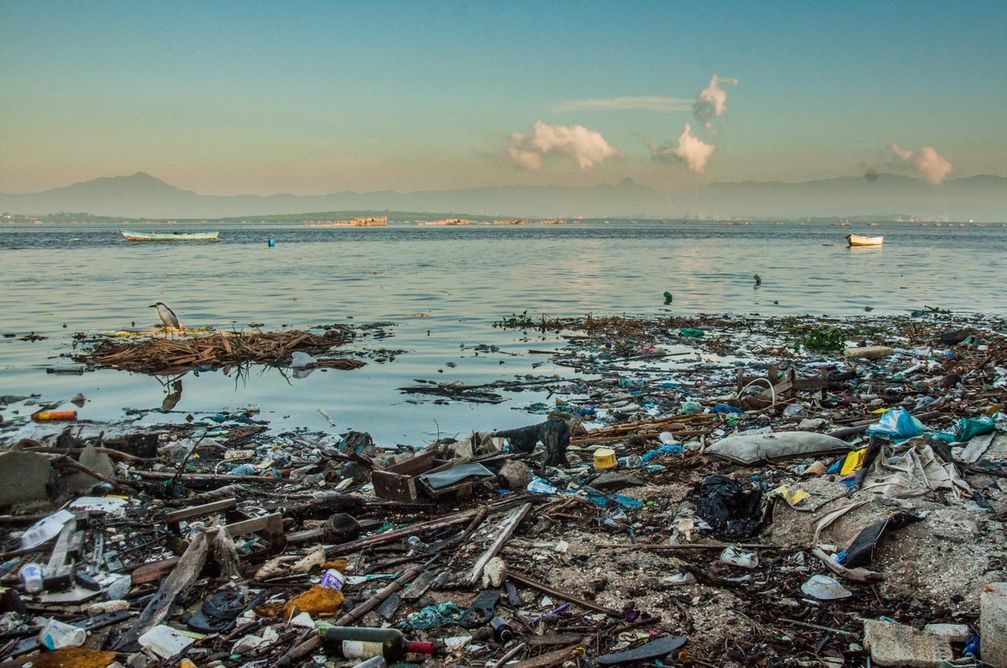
x=170 y=355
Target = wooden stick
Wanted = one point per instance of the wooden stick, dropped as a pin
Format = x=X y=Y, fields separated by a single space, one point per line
x=556 y=593
x=439 y=523
x=374 y=601
x=509 y=655
x=507 y=528
x=198 y=511
x=74 y=464
x=818 y=628
x=311 y=641
x=550 y=658
x=111 y=452
x=390 y=536
x=694 y=546
x=224 y=477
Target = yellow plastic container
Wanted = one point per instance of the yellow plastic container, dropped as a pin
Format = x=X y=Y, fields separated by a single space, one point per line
x=604 y=458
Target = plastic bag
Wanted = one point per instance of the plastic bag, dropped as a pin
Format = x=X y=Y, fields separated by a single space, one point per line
x=897 y=424
x=433 y=615
x=666 y=449
x=966 y=428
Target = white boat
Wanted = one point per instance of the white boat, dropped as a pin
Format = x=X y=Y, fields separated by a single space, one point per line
x=169 y=236
x=862 y=240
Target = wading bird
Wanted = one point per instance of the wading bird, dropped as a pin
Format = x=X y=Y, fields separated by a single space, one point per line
x=167 y=316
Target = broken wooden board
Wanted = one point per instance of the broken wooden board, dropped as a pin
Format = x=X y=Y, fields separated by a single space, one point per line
x=418 y=587
x=153 y=571
x=175 y=516
x=185 y=573
x=270 y=526
x=506 y=529
x=398 y=482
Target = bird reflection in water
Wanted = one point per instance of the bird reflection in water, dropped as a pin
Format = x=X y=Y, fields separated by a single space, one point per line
x=173 y=396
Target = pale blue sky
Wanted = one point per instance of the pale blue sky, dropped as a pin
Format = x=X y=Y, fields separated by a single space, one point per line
x=310 y=97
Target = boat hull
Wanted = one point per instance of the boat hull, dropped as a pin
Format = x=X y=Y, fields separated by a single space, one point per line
x=861 y=240
x=169 y=236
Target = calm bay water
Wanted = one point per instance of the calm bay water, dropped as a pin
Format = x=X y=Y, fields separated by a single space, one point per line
x=443 y=288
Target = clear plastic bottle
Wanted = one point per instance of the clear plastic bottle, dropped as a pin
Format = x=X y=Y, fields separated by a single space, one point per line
x=55 y=635
x=31 y=577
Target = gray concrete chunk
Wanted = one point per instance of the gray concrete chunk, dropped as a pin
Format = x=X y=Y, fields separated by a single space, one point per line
x=900 y=645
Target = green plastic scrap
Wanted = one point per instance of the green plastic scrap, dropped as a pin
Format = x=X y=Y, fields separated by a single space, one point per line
x=433 y=615
x=966 y=428
x=691 y=332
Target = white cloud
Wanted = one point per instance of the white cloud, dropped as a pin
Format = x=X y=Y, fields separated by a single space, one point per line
x=712 y=101
x=643 y=103
x=927 y=162
x=587 y=146
x=524 y=158
x=690 y=150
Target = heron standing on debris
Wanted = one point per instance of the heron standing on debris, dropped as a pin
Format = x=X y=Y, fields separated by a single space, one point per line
x=167 y=316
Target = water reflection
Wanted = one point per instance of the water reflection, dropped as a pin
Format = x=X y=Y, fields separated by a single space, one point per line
x=173 y=393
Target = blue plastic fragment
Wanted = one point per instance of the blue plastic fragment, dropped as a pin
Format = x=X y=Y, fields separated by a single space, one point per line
x=667 y=449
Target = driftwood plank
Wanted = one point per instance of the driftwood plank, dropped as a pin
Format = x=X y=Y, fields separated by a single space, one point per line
x=506 y=529
x=420 y=585
x=185 y=573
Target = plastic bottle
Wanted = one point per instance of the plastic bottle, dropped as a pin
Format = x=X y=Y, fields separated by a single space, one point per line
x=333 y=579
x=354 y=642
x=56 y=634
x=55 y=416
x=31 y=577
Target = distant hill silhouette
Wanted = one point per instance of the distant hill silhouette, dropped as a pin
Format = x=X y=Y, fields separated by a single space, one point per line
x=983 y=198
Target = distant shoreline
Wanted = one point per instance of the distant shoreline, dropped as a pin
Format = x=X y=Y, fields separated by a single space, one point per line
x=409 y=219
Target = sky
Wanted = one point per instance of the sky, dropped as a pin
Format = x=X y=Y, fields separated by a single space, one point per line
x=316 y=97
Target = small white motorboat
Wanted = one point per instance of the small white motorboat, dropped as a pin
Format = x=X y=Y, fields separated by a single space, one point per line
x=862 y=240
x=169 y=236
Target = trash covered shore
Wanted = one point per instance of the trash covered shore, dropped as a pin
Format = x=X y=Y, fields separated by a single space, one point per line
x=699 y=491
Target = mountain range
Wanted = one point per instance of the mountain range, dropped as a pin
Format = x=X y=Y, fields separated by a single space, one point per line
x=980 y=198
